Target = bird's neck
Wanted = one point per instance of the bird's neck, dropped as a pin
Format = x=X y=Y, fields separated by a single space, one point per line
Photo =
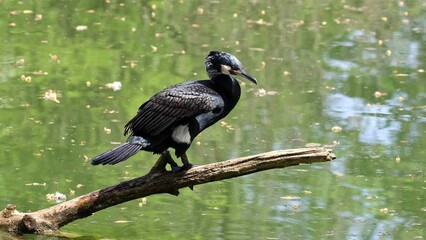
x=229 y=88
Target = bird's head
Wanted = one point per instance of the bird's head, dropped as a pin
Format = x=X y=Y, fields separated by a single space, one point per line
x=224 y=63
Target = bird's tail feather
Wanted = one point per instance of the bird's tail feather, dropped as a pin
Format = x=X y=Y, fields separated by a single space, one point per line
x=120 y=153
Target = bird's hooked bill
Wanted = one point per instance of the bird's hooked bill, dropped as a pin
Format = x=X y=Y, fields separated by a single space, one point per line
x=248 y=76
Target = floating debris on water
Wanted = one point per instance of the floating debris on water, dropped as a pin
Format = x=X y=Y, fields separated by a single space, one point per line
x=36 y=184
x=57 y=197
x=142 y=202
x=261 y=92
x=107 y=130
x=336 y=129
x=122 y=221
x=51 y=95
x=26 y=78
x=81 y=28
x=312 y=145
x=290 y=198
x=398 y=159
x=378 y=94
x=114 y=85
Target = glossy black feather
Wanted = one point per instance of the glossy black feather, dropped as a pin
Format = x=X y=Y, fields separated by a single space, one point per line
x=121 y=152
x=171 y=105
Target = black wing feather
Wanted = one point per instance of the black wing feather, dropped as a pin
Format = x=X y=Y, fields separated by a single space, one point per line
x=171 y=105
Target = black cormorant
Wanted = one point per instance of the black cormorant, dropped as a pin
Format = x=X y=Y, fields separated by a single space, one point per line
x=173 y=117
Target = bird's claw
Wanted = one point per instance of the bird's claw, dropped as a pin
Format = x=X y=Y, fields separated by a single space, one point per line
x=184 y=167
x=176 y=169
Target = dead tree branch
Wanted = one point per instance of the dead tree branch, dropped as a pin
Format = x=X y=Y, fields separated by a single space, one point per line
x=158 y=180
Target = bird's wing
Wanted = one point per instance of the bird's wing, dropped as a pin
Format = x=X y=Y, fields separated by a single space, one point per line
x=171 y=105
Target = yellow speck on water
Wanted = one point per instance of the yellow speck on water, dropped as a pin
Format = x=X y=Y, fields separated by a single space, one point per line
x=290 y=198
x=132 y=64
x=54 y=57
x=122 y=221
x=388 y=53
x=81 y=28
x=142 y=202
x=36 y=184
x=312 y=145
x=107 y=130
x=20 y=62
x=384 y=210
x=262 y=66
x=26 y=78
x=336 y=129
x=398 y=159
x=51 y=95
x=38 y=17
x=378 y=94
x=50 y=197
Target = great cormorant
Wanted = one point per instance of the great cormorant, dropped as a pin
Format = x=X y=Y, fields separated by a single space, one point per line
x=173 y=117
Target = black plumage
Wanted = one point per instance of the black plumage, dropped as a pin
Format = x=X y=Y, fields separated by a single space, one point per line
x=173 y=117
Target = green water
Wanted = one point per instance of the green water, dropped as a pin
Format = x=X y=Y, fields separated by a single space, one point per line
x=321 y=65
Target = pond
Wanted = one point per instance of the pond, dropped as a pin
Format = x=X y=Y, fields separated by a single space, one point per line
x=349 y=75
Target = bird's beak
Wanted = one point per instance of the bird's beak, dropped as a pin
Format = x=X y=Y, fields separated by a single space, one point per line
x=248 y=76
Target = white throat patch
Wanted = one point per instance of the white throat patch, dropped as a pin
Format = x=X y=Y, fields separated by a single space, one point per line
x=225 y=69
x=181 y=134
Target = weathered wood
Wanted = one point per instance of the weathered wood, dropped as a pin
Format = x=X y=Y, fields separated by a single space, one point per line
x=49 y=220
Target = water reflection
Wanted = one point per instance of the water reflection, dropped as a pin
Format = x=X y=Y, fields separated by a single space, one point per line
x=374 y=122
x=357 y=65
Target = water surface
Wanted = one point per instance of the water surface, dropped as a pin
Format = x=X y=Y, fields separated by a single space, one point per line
x=347 y=74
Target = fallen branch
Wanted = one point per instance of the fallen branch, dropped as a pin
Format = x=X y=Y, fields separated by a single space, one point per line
x=158 y=180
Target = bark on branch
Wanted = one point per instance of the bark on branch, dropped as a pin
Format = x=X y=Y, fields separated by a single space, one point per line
x=158 y=180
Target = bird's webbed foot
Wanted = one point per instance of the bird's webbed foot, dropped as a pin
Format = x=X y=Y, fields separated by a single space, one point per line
x=175 y=167
x=186 y=164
